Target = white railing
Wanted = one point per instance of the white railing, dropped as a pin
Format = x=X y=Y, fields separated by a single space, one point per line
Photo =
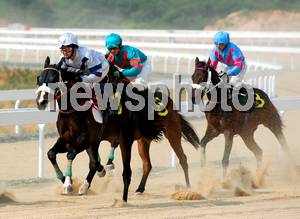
x=34 y=116
x=150 y=34
x=30 y=116
x=161 y=61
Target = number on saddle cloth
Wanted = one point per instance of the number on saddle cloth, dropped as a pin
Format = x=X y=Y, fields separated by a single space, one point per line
x=159 y=105
x=259 y=102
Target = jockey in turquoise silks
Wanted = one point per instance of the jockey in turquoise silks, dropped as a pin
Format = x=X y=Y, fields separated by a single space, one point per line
x=131 y=61
x=229 y=54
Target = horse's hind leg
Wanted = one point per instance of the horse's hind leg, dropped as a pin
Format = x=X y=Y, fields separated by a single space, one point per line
x=110 y=165
x=59 y=147
x=143 y=148
x=248 y=138
x=277 y=131
x=173 y=134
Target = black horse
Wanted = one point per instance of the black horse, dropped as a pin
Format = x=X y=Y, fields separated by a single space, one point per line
x=235 y=122
x=78 y=131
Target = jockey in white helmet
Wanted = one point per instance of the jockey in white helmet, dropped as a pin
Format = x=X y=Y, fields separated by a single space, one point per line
x=87 y=60
x=83 y=60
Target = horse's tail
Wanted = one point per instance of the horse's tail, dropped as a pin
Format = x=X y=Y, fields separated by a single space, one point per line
x=150 y=129
x=272 y=118
x=189 y=133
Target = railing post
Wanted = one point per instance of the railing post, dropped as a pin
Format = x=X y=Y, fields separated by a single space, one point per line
x=17 y=127
x=41 y=149
x=173 y=159
x=166 y=64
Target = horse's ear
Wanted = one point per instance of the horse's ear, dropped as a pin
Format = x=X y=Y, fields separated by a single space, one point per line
x=207 y=64
x=47 y=62
x=197 y=61
x=60 y=63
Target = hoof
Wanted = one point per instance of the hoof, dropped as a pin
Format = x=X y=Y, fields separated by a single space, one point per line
x=101 y=173
x=84 y=188
x=109 y=167
x=68 y=190
x=139 y=191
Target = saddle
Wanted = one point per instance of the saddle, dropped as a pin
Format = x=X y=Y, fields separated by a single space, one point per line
x=243 y=96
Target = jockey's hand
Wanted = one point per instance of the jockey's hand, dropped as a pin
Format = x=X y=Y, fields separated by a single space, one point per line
x=78 y=79
x=119 y=69
x=223 y=73
x=117 y=74
x=224 y=76
x=74 y=70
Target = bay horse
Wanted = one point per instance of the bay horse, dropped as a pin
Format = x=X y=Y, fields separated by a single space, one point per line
x=235 y=122
x=79 y=131
x=174 y=127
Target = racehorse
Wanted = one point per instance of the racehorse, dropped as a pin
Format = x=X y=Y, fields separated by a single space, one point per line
x=235 y=122
x=174 y=126
x=79 y=131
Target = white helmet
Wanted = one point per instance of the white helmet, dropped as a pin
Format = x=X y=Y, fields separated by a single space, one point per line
x=68 y=39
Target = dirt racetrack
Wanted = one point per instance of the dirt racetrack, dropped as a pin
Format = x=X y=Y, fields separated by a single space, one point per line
x=277 y=192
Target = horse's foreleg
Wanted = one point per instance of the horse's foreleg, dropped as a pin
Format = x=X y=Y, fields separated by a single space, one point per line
x=68 y=188
x=110 y=165
x=126 y=158
x=143 y=148
x=57 y=148
x=228 y=146
x=210 y=134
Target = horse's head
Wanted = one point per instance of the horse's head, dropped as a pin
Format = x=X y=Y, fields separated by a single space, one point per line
x=203 y=73
x=200 y=74
x=49 y=75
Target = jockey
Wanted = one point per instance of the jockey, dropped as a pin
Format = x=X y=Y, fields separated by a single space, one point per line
x=87 y=60
x=84 y=60
x=131 y=62
x=229 y=54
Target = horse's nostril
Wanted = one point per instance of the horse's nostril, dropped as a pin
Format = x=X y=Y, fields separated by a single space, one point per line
x=44 y=102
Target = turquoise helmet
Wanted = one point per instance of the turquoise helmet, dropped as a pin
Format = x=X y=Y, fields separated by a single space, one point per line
x=113 y=40
x=221 y=38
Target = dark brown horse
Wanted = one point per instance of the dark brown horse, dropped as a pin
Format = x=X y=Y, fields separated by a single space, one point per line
x=78 y=131
x=235 y=122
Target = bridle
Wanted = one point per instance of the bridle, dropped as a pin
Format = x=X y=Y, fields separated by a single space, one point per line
x=208 y=81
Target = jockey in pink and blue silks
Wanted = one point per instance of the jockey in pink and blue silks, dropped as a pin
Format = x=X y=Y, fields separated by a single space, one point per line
x=131 y=61
x=229 y=54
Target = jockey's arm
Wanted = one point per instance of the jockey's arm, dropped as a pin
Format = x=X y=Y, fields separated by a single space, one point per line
x=238 y=65
x=93 y=74
x=213 y=60
x=136 y=68
x=234 y=71
x=92 y=77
